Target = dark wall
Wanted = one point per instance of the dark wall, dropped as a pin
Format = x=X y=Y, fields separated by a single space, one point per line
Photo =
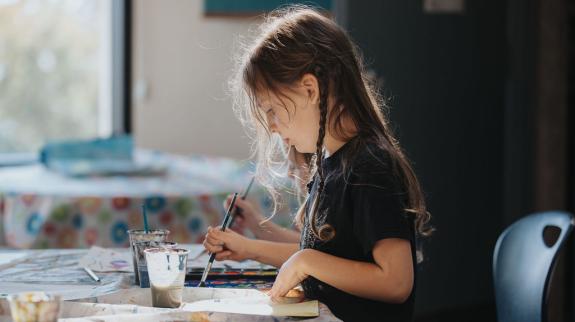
x=445 y=76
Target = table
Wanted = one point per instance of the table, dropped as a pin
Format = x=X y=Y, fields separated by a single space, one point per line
x=43 y=209
x=57 y=271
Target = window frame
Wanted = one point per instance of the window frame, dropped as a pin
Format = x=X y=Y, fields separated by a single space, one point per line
x=120 y=77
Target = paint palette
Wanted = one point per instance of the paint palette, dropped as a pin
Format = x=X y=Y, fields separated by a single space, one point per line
x=242 y=283
x=233 y=274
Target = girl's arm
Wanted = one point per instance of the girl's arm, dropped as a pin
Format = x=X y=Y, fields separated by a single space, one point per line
x=271 y=253
x=231 y=245
x=271 y=231
x=259 y=226
x=389 y=279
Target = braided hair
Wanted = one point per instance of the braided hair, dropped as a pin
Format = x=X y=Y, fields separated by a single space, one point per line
x=325 y=232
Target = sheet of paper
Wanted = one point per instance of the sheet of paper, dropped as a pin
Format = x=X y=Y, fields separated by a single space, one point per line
x=195 y=250
x=192 y=316
x=8 y=257
x=239 y=301
x=120 y=260
x=202 y=260
x=46 y=267
x=68 y=292
x=58 y=272
x=108 y=260
x=254 y=306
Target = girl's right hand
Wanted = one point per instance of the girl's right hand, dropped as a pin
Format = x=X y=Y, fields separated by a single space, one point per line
x=249 y=217
x=227 y=244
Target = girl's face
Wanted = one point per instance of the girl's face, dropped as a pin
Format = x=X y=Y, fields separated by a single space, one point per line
x=294 y=114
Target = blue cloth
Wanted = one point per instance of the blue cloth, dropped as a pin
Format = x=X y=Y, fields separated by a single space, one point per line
x=109 y=156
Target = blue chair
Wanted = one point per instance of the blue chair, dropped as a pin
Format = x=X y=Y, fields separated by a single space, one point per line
x=522 y=265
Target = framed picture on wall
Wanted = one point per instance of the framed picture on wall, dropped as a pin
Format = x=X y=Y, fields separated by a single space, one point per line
x=255 y=7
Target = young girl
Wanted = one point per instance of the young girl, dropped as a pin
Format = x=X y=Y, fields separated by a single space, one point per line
x=305 y=83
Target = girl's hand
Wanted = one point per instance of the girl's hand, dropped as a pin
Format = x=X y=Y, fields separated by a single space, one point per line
x=249 y=217
x=227 y=244
x=291 y=274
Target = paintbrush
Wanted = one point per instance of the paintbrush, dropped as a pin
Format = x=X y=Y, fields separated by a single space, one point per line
x=225 y=224
x=238 y=211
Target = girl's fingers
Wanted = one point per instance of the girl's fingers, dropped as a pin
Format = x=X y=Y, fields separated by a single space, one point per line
x=223 y=255
x=212 y=248
x=240 y=202
x=217 y=234
x=276 y=293
x=214 y=241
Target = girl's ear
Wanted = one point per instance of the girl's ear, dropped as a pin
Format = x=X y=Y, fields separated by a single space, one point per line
x=311 y=86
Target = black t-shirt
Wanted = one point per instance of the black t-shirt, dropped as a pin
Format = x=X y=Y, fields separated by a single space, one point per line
x=363 y=204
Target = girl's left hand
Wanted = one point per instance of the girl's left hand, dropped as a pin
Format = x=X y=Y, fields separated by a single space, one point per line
x=290 y=275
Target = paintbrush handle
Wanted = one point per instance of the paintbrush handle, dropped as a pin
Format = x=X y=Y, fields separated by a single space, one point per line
x=238 y=211
x=207 y=269
x=224 y=226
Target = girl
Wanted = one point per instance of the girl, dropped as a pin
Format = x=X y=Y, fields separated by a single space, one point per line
x=305 y=82
x=252 y=219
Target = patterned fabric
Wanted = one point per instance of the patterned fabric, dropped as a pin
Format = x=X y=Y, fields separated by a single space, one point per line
x=41 y=209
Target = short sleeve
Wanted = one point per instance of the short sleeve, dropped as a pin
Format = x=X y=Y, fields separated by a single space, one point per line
x=378 y=208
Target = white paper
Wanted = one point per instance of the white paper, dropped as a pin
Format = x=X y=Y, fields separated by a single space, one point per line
x=108 y=260
x=11 y=257
x=254 y=306
x=57 y=271
x=238 y=301
x=202 y=260
x=195 y=250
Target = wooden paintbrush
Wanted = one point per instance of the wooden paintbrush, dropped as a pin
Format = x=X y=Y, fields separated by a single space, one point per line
x=225 y=224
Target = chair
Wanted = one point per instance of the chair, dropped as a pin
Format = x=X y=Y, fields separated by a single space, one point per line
x=522 y=265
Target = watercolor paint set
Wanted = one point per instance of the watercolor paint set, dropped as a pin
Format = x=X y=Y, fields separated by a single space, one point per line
x=231 y=273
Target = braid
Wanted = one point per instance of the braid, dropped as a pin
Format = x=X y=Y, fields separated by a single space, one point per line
x=325 y=231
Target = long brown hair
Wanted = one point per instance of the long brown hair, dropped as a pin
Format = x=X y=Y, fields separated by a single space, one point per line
x=295 y=41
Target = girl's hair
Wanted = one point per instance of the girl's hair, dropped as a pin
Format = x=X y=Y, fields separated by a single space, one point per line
x=300 y=165
x=298 y=40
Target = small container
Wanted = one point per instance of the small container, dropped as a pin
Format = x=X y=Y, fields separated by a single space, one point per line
x=34 y=307
x=141 y=246
x=137 y=235
x=167 y=271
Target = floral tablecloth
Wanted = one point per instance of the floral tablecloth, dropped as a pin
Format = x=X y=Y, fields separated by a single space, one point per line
x=43 y=209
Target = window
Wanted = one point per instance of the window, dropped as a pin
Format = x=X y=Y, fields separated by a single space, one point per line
x=63 y=71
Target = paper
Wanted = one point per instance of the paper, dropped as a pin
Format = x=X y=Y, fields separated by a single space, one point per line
x=198 y=258
x=254 y=306
x=11 y=257
x=195 y=250
x=108 y=260
x=57 y=272
x=46 y=267
x=202 y=260
x=68 y=292
x=238 y=301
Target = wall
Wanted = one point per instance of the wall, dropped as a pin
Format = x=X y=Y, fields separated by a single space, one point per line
x=182 y=61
